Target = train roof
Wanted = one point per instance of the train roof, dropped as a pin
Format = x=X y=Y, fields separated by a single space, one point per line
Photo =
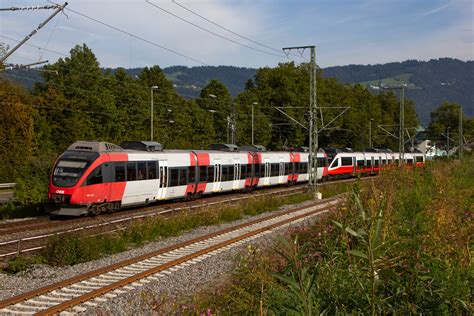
x=97 y=147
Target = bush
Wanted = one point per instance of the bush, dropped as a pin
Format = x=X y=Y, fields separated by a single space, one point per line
x=400 y=246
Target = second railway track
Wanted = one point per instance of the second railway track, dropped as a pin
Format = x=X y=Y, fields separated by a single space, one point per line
x=83 y=291
x=27 y=236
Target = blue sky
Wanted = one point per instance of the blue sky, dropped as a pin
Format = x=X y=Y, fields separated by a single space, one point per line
x=345 y=32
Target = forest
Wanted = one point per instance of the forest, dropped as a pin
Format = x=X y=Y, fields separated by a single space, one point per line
x=77 y=100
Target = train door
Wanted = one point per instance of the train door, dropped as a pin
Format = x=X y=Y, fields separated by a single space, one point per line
x=266 y=179
x=354 y=166
x=217 y=176
x=237 y=172
x=281 y=173
x=163 y=177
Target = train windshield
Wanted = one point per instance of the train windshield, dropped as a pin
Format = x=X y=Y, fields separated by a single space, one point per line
x=71 y=166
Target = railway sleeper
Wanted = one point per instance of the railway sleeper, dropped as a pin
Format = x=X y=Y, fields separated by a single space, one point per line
x=56 y=293
x=97 y=283
x=52 y=298
x=85 y=286
x=14 y=312
x=80 y=291
x=45 y=302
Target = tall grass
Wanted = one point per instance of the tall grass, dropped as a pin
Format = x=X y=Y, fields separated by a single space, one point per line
x=400 y=246
x=75 y=248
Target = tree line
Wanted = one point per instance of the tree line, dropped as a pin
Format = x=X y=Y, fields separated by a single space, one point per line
x=77 y=100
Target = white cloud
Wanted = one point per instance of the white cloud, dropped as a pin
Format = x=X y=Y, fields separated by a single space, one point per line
x=437 y=9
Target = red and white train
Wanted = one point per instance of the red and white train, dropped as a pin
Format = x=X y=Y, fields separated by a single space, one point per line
x=346 y=164
x=94 y=177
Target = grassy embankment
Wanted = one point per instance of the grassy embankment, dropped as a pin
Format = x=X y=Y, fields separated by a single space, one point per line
x=402 y=246
x=75 y=248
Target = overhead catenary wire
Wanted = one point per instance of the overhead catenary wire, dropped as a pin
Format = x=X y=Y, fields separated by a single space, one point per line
x=230 y=31
x=136 y=99
x=214 y=33
x=39 y=47
x=136 y=36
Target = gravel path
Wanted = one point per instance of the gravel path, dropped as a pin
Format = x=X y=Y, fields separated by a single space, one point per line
x=183 y=282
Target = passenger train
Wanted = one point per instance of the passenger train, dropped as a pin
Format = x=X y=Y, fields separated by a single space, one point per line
x=95 y=177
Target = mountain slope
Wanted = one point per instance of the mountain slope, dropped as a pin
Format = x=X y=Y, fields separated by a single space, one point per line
x=427 y=83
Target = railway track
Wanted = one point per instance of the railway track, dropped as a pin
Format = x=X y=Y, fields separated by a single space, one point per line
x=77 y=294
x=28 y=236
x=33 y=236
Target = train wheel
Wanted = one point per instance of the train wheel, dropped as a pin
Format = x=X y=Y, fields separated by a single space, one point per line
x=94 y=210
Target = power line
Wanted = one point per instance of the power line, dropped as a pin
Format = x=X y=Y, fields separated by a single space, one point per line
x=136 y=36
x=229 y=30
x=39 y=47
x=213 y=33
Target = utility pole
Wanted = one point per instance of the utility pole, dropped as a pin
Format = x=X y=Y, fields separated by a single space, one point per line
x=401 y=125
x=233 y=123
x=313 y=114
x=253 y=104
x=461 y=145
x=151 y=111
x=401 y=139
x=447 y=139
x=370 y=133
x=59 y=8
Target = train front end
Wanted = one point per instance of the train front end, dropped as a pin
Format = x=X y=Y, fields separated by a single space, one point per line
x=66 y=192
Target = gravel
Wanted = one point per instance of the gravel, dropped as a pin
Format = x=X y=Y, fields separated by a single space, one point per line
x=141 y=300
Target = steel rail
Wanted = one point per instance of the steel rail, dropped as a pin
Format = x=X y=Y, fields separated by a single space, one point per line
x=23 y=297
x=34 y=243
x=16 y=244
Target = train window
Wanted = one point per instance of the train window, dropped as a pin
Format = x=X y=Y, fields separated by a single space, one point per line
x=287 y=168
x=183 y=176
x=225 y=171
x=322 y=162
x=231 y=172
x=202 y=173
x=95 y=177
x=210 y=173
x=71 y=166
x=335 y=163
x=369 y=162
x=419 y=158
x=249 y=170
x=376 y=162
x=151 y=169
x=131 y=171
x=397 y=161
x=260 y=170
x=119 y=172
x=409 y=162
x=141 y=170
x=243 y=171
x=384 y=162
x=346 y=161
x=274 y=169
x=192 y=174
x=173 y=180
x=360 y=163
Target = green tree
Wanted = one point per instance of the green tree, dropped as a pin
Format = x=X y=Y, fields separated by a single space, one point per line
x=217 y=102
x=262 y=124
x=17 y=137
x=75 y=99
x=446 y=115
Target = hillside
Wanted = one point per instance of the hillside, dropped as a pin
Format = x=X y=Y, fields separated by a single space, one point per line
x=427 y=83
